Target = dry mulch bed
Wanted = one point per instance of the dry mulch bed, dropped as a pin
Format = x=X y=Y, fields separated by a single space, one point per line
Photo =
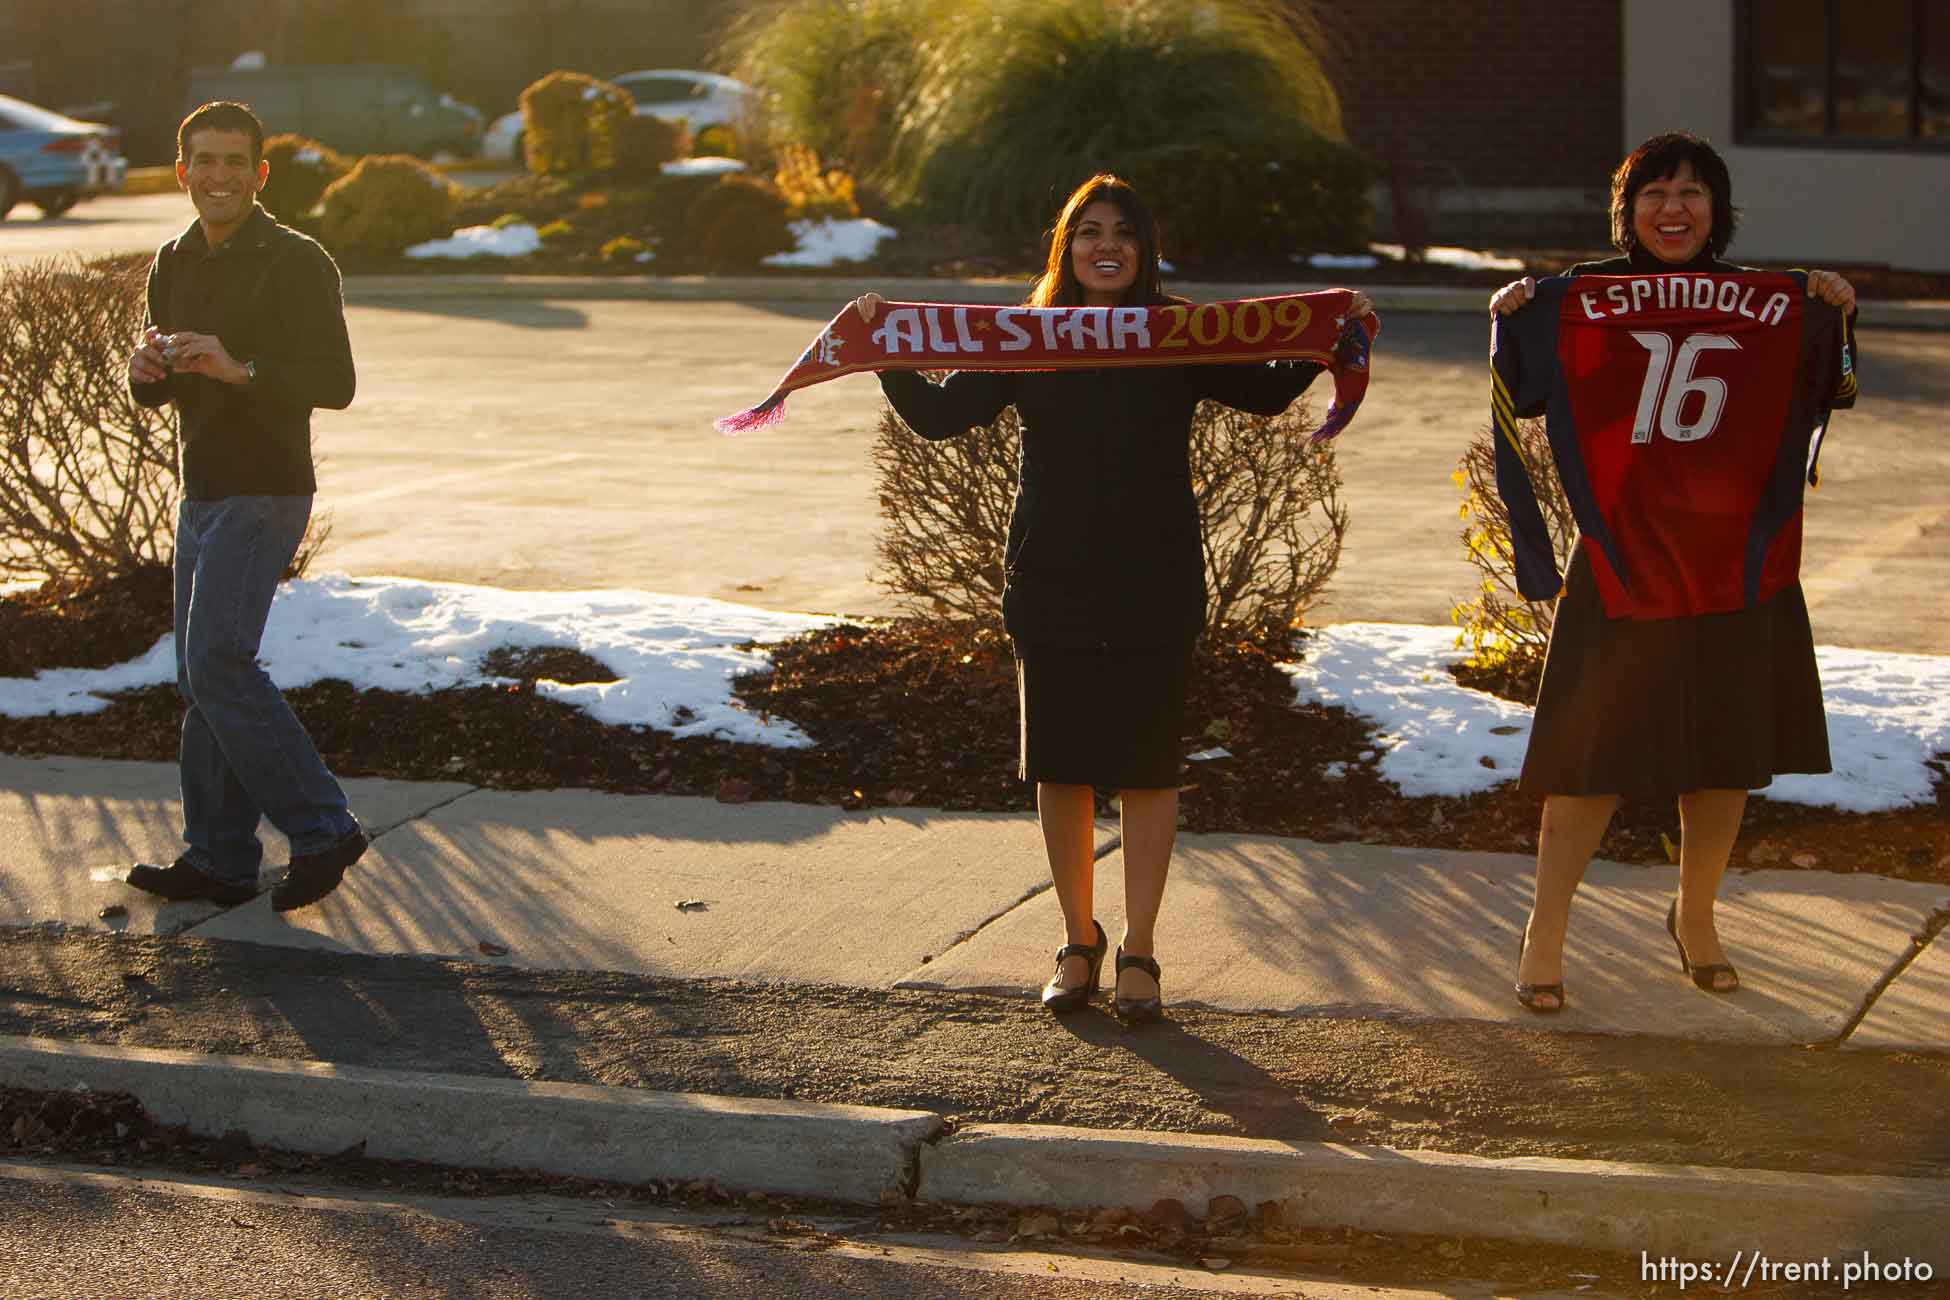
x=904 y=713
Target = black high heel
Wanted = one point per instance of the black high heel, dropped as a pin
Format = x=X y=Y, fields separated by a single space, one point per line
x=1058 y=998
x=1139 y=1010
x=1703 y=976
x=1527 y=994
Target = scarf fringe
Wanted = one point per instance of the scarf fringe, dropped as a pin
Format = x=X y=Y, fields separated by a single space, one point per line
x=767 y=413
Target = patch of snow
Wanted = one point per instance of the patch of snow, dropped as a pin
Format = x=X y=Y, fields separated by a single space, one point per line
x=1343 y=261
x=249 y=61
x=1888 y=716
x=674 y=656
x=702 y=167
x=517 y=240
x=1468 y=259
x=830 y=241
x=308 y=156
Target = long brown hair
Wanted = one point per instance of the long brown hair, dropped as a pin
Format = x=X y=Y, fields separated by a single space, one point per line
x=1058 y=286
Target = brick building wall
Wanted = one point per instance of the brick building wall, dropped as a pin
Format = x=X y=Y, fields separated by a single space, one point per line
x=1498 y=121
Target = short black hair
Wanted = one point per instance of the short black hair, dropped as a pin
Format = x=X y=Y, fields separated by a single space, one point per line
x=221 y=115
x=1659 y=158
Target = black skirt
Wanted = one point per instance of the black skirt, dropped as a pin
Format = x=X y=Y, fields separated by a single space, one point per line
x=1653 y=709
x=1104 y=717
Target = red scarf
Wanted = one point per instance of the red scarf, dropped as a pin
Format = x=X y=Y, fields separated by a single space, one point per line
x=944 y=336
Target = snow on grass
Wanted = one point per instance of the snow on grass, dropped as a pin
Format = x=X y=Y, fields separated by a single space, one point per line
x=674 y=656
x=702 y=167
x=829 y=241
x=1888 y=716
x=1468 y=259
x=517 y=239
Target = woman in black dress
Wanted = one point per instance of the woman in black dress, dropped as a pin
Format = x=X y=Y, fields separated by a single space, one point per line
x=1105 y=574
x=1701 y=708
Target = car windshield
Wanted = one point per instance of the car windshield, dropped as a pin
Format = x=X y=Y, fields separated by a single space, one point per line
x=20 y=113
x=663 y=90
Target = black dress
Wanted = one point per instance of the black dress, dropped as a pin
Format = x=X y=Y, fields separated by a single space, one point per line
x=1104 y=591
x=1659 y=708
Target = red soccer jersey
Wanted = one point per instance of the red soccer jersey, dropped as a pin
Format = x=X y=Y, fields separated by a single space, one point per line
x=1680 y=409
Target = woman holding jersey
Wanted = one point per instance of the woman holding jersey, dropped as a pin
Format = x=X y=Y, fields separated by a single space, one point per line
x=1700 y=708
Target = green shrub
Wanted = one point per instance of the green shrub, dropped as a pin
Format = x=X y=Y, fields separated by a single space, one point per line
x=1507 y=635
x=839 y=75
x=1053 y=92
x=301 y=171
x=734 y=223
x=384 y=204
x=644 y=144
x=536 y=200
x=1254 y=198
x=574 y=124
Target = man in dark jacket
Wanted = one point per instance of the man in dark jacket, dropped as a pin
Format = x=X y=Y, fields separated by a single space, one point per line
x=246 y=334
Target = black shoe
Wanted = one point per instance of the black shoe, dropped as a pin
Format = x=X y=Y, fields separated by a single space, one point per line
x=1140 y=1009
x=1527 y=994
x=314 y=875
x=180 y=882
x=1704 y=977
x=1058 y=998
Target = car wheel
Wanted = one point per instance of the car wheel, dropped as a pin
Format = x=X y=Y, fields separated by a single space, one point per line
x=54 y=204
x=9 y=191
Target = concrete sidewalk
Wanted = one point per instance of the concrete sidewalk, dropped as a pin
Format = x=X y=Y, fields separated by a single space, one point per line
x=689 y=888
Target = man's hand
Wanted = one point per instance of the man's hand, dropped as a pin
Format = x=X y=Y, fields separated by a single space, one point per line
x=204 y=354
x=146 y=363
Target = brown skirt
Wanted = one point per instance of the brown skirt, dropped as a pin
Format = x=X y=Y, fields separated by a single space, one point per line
x=1661 y=708
x=1104 y=717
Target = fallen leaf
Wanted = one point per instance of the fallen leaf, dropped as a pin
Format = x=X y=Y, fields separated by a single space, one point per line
x=1672 y=850
x=1805 y=860
x=899 y=798
x=491 y=949
x=1764 y=854
x=1215 y=1263
x=113 y=912
x=692 y=905
x=1037 y=1225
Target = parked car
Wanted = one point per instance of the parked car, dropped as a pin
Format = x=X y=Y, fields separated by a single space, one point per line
x=356 y=108
x=697 y=99
x=54 y=161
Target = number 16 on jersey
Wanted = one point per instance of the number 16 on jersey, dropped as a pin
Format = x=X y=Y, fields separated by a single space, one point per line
x=1669 y=380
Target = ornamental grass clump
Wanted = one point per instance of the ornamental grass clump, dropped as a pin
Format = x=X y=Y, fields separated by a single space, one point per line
x=385 y=204
x=87 y=477
x=301 y=171
x=575 y=125
x=1268 y=502
x=734 y=224
x=1507 y=635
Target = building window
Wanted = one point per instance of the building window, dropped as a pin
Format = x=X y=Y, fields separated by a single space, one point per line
x=1868 y=73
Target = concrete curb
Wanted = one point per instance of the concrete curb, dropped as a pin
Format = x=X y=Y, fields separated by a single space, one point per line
x=831 y=291
x=850 y=1153
x=1664 y=1209
x=867 y=1154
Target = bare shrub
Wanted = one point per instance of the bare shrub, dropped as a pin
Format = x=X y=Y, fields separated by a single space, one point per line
x=87 y=477
x=1268 y=502
x=1505 y=633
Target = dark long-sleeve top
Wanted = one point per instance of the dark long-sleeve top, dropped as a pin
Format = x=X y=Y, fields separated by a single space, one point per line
x=1104 y=546
x=273 y=296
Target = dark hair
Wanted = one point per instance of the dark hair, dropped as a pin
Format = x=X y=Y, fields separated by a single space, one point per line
x=1657 y=159
x=222 y=115
x=1058 y=286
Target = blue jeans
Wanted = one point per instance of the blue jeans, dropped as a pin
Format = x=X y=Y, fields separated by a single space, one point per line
x=245 y=756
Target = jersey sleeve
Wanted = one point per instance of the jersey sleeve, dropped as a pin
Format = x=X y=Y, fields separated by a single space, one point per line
x=1538 y=577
